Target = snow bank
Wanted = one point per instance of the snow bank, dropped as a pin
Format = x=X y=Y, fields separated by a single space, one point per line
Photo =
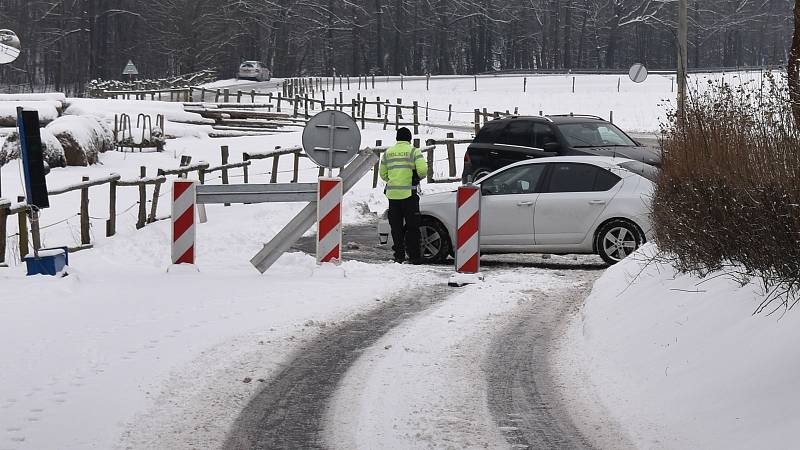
x=682 y=362
x=48 y=111
x=48 y=96
x=83 y=138
x=52 y=149
x=108 y=108
x=68 y=141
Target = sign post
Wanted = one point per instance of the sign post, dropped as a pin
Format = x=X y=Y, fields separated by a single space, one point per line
x=468 y=239
x=331 y=139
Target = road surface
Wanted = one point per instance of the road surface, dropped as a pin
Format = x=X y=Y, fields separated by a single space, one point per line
x=522 y=394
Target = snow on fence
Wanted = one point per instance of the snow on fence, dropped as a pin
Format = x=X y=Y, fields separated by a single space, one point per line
x=202 y=168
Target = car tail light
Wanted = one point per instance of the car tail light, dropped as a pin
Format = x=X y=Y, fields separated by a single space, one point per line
x=466 y=158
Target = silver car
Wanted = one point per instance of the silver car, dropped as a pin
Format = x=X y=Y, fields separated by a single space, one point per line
x=254 y=70
x=559 y=205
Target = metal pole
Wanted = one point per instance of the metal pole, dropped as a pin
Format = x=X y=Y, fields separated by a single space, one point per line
x=683 y=46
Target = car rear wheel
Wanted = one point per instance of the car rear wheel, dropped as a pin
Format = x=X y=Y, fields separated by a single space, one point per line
x=617 y=239
x=435 y=241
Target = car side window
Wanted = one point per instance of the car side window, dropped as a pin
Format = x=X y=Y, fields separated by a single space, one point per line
x=519 y=133
x=542 y=134
x=516 y=180
x=491 y=133
x=575 y=177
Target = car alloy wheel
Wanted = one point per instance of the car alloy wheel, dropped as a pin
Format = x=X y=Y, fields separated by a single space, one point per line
x=434 y=241
x=617 y=240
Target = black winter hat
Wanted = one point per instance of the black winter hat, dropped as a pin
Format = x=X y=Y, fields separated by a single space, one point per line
x=404 y=134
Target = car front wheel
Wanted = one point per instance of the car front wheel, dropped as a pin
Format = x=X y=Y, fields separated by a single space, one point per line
x=617 y=239
x=435 y=241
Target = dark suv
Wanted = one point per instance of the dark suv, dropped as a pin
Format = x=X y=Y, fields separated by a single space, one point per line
x=505 y=141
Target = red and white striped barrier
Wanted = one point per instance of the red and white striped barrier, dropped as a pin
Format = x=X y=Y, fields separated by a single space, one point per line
x=329 y=220
x=468 y=218
x=184 y=198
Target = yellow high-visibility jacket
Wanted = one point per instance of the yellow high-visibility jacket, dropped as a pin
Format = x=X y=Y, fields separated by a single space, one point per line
x=396 y=169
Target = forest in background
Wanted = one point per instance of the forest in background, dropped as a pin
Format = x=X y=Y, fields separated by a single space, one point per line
x=66 y=43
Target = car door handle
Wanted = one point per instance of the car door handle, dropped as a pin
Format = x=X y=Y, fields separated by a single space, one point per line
x=597 y=202
x=524 y=203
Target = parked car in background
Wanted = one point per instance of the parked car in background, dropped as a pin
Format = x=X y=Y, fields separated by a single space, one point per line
x=505 y=141
x=557 y=205
x=254 y=70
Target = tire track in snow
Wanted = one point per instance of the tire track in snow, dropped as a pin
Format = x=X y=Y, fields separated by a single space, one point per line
x=290 y=411
x=523 y=395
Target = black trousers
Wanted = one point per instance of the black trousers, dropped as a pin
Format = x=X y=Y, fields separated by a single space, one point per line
x=405 y=222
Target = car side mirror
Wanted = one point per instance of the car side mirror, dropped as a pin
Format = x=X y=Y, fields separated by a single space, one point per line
x=552 y=147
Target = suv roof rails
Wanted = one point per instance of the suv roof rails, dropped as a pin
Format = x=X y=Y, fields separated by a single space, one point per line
x=576 y=115
x=518 y=116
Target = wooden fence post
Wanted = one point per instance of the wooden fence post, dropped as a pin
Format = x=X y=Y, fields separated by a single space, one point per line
x=428 y=81
x=378 y=105
x=449 y=112
x=478 y=121
x=416 y=117
x=376 y=169
x=275 y=160
x=525 y=84
x=224 y=150
x=296 y=170
x=111 y=223
x=363 y=112
x=85 y=238
x=3 y=230
x=430 y=165
x=398 y=113
x=142 y=219
x=22 y=222
x=296 y=105
x=279 y=102
x=154 y=205
x=451 y=154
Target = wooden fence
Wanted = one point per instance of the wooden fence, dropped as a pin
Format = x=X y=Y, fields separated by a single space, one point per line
x=147 y=216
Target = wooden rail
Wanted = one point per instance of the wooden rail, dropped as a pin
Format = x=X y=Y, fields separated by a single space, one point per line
x=144 y=217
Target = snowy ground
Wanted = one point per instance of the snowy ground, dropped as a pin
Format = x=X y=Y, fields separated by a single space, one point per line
x=124 y=353
x=682 y=362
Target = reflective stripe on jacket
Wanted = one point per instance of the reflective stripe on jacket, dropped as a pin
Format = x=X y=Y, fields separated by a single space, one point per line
x=397 y=168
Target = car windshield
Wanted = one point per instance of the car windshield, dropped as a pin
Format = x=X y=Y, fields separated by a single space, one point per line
x=594 y=134
x=248 y=65
x=640 y=168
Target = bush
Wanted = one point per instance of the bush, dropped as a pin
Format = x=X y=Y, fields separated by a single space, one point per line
x=729 y=195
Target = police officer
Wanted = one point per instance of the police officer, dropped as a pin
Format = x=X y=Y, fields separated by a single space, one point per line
x=401 y=168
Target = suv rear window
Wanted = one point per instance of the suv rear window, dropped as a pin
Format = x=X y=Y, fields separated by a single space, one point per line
x=491 y=133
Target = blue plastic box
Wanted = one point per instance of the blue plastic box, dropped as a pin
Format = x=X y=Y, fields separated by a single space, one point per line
x=51 y=261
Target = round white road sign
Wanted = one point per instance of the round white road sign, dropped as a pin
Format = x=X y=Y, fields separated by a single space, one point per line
x=638 y=73
x=331 y=139
x=9 y=46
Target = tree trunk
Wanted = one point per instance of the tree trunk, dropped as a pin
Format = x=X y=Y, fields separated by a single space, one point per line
x=793 y=68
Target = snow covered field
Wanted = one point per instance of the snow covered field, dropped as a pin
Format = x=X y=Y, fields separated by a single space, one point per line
x=126 y=354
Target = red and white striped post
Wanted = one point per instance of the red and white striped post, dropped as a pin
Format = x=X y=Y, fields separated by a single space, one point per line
x=329 y=220
x=184 y=198
x=468 y=219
